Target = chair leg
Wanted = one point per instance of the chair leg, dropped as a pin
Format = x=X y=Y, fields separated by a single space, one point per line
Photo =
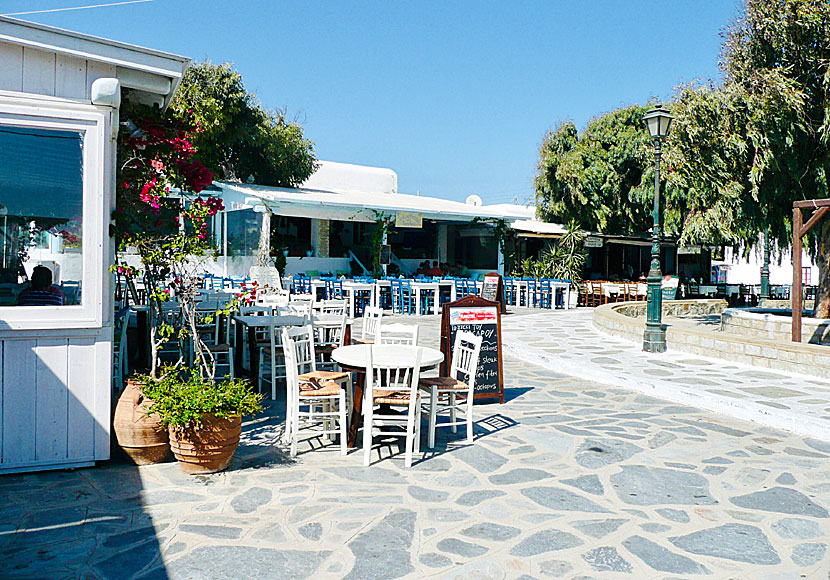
x=417 y=445
x=453 y=413
x=410 y=437
x=295 y=429
x=433 y=415
x=342 y=401
x=367 y=432
x=470 y=417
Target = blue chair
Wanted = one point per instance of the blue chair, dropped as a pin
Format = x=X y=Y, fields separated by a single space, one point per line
x=545 y=294
x=509 y=291
x=532 y=293
x=334 y=289
x=472 y=287
x=460 y=288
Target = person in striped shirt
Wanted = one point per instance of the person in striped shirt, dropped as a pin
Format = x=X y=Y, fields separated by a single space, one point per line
x=41 y=292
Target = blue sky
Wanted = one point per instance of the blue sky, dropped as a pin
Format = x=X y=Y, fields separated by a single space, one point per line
x=454 y=96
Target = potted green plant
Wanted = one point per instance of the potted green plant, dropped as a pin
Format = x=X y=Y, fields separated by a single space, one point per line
x=203 y=416
x=161 y=214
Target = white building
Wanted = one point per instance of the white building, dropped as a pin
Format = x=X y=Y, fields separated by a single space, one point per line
x=326 y=224
x=60 y=94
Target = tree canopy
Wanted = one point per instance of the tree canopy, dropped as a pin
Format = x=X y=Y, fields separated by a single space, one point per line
x=738 y=155
x=596 y=178
x=237 y=137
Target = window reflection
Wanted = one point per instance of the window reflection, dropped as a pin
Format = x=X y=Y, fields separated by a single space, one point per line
x=41 y=214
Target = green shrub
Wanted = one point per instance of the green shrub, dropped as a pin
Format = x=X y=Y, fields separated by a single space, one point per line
x=180 y=399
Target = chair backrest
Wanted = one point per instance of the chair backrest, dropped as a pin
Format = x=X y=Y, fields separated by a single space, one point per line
x=334 y=290
x=273 y=298
x=401 y=377
x=298 y=350
x=301 y=304
x=331 y=307
x=294 y=309
x=331 y=333
x=255 y=310
x=371 y=323
x=465 y=355
x=406 y=334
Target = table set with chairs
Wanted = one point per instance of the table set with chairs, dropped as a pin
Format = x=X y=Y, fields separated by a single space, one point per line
x=334 y=383
x=547 y=293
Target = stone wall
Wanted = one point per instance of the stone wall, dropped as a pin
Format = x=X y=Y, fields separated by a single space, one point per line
x=678 y=308
x=801 y=358
x=774 y=327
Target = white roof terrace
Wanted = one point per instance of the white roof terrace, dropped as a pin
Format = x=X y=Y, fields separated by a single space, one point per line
x=350 y=204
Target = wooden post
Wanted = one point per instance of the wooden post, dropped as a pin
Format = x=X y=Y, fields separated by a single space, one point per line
x=796 y=295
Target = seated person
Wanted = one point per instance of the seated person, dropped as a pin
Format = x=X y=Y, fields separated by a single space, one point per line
x=435 y=270
x=41 y=292
x=462 y=271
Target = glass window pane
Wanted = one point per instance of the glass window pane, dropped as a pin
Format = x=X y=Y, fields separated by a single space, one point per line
x=41 y=216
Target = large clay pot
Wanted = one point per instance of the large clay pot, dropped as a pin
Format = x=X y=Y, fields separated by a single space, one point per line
x=139 y=434
x=208 y=448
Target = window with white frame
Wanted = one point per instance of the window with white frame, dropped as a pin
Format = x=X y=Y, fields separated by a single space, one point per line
x=54 y=213
x=41 y=216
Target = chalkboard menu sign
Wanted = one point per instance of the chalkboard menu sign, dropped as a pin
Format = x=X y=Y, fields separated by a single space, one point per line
x=482 y=318
x=492 y=289
x=385 y=254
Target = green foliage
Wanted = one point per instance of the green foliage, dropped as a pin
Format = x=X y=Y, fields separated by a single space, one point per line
x=563 y=260
x=180 y=399
x=237 y=137
x=383 y=224
x=598 y=178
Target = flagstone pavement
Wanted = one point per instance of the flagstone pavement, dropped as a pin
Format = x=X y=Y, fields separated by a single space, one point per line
x=570 y=478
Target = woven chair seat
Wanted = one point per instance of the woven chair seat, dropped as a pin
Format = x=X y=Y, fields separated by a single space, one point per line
x=325 y=349
x=442 y=383
x=392 y=398
x=362 y=341
x=324 y=376
x=218 y=347
x=318 y=388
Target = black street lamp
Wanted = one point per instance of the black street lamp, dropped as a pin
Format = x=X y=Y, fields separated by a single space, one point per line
x=658 y=120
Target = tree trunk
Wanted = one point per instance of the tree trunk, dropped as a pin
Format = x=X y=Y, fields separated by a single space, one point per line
x=264 y=252
x=822 y=307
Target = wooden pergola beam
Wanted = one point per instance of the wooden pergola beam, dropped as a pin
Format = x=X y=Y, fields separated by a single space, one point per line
x=800 y=229
x=812 y=221
x=811 y=203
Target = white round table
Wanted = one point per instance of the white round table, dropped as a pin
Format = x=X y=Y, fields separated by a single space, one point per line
x=354 y=355
x=353 y=359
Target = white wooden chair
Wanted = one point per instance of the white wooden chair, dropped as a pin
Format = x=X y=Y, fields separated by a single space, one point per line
x=329 y=336
x=334 y=306
x=371 y=322
x=311 y=395
x=455 y=392
x=396 y=386
x=405 y=334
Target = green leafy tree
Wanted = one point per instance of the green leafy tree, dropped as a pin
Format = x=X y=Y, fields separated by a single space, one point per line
x=237 y=138
x=599 y=178
x=742 y=154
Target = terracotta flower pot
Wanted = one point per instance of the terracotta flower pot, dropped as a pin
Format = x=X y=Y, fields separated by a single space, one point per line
x=207 y=448
x=140 y=435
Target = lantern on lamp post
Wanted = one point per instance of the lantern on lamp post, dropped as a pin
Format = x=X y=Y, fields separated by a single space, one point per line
x=658 y=120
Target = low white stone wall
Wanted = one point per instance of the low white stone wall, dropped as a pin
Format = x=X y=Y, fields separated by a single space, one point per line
x=801 y=358
x=773 y=326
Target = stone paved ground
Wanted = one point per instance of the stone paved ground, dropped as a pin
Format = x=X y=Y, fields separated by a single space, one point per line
x=569 y=479
x=567 y=341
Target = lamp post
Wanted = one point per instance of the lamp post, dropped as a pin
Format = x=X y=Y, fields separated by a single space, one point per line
x=765 y=268
x=658 y=120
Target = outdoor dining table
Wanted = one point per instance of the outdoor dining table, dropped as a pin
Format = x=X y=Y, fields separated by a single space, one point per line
x=352 y=359
x=351 y=288
x=252 y=322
